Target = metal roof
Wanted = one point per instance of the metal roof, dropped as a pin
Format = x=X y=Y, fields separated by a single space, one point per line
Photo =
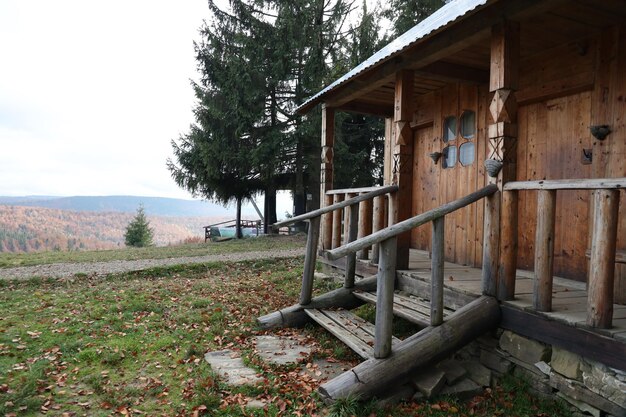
x=441 y=18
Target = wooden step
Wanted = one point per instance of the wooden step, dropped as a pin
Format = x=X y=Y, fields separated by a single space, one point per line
x=409 y=307
x=356 y=333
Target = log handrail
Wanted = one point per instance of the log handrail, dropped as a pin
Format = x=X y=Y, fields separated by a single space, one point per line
x=328 y=209
x=573 y=184
x=606 y=198
x=413 y=222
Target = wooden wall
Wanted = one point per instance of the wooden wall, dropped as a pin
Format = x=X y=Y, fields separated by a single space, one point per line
x=563 y=91
x=552 y=136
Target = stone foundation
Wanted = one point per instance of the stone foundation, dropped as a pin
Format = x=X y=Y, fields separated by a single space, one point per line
x=591 y=387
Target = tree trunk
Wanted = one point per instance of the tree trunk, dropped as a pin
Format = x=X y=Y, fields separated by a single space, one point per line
x=238 y=233
x=269 y=208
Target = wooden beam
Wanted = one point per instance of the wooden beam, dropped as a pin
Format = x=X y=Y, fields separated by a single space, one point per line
x=602 y=265
x=309 y=261
x=403 y=161
x=380 y=210
x=365 y=225
x=436 y=279
x=384 y=298
x=337 y=215
x=446 y=71
x=326 y=172
x=500 y=250
x=582 y=342
x=505 y=44
x=575 y=184
x=367 y=108
x=351 y=236
x=544 y=250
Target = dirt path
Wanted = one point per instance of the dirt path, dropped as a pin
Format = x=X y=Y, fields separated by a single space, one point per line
x=62 y=270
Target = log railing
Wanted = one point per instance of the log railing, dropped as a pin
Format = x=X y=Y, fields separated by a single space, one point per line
x=372 y=215
x=387 y=238
x=606 y=195
x=355 y=197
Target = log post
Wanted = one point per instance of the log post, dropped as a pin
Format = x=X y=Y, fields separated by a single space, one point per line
x=378 y=223
x=544 y=250
x=502 y=133
x=337 y=215
x=402 y=169
x=508 y=246
x=365 y=224
x=309 y=260
x=436 y=279
x=602 y=265
x=326 y=172
x=384 y=298
x=491 y=244
x=346 y=220
x=353 y=229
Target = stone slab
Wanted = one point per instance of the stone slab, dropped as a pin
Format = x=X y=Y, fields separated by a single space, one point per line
x=566 y=363
x=229 y=366
x=429 y=381
x=463 y=390
x=495 y=362
x=524 y=349
x=280 y=350
x=453 y=369
x=478 y=373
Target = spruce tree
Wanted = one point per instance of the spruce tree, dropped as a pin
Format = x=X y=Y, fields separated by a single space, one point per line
x=406 y=14
x=138 y=232
x=258 y=61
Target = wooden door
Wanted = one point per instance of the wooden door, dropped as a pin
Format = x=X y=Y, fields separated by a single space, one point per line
x=552 y=136
x=435 y=185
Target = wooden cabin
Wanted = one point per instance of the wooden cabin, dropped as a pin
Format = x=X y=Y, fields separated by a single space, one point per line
x=505 y=164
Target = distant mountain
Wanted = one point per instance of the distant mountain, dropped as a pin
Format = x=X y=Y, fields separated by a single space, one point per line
x=156 y=206
x=27 y=229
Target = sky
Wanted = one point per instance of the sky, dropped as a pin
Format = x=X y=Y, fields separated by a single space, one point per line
x=92 y=93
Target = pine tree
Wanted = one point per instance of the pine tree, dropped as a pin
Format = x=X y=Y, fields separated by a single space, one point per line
x=406 y=14
x=258 y=61
x=138 y=232
x=360 y=139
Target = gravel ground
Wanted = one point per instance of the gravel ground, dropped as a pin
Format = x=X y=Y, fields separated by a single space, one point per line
x=63 y=270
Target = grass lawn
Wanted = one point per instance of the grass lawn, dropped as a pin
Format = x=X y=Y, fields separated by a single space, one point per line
x=133 y=344
x=8 y=260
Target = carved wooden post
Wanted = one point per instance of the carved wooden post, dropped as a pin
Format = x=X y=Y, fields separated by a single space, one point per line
x=326 y=172
x=365 y=224
x=602 y=265
x=378 y=223
x=544 y=250
x=309 y=261
x=337 y=215
x=436 y=279
x=499 y=265
x=402 y=162
x=384 y=298
x=353 y=229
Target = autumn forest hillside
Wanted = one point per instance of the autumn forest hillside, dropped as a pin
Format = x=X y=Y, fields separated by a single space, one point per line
x=28 y=229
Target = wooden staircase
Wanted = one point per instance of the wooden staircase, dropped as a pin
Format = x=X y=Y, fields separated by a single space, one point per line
x=409 y=307
x=356 y=333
